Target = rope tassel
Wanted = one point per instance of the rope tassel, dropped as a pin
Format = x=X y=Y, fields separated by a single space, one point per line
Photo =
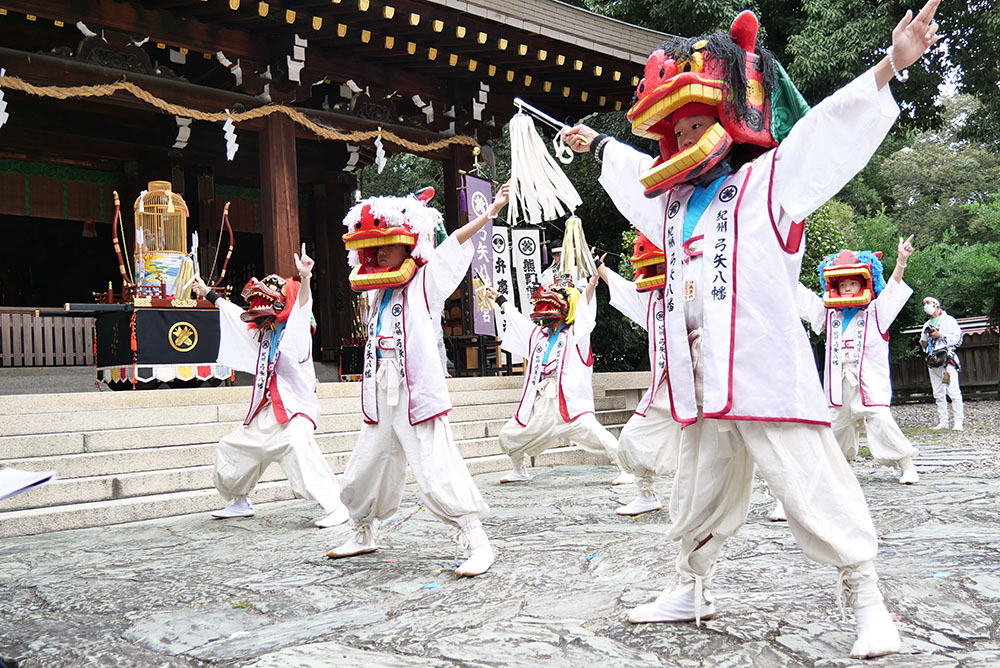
x=540 y=190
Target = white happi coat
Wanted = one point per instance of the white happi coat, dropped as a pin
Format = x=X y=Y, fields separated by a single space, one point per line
x=757 y=361
x=866 y=341
x=572 y=358
x=647 y=310
x=290 y=381
x=411 y=311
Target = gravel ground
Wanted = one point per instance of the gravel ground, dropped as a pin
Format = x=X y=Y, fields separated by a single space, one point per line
x=981 y=433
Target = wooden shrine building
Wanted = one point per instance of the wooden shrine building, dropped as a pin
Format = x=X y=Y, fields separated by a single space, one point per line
x=106 y=95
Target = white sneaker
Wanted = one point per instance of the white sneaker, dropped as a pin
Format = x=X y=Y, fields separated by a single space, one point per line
x=676 y=605
x=516 y=475
x=778 y=514
x=958 y=427
x=877 y=633
x=362 y=542
x=641 y=504
x=480 y=553
x=940 y=425
x=336 y=518
x=909 y=476
x=241 y=507
x=623 y=479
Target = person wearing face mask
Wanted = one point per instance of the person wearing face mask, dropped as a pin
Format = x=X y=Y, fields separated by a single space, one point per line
x=856 y=309
x=939 y=338
x=742 y=163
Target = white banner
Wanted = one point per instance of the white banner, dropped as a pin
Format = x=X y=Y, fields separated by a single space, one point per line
x=501 y=276
x=527 y=255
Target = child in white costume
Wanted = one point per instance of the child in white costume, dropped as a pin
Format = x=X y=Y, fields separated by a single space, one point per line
x=272 y=339
x=753 y=396
x=855 y=313
x=558 y=398
x=647 y=445
x=404 y=398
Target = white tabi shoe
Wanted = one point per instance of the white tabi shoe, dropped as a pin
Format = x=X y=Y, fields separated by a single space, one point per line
x=675 y=605
x=362 y=542
x=909 y=476
x=958 y=427
x=939 y=426
x=516 y=475
x=877 y=633
x=336 y=518
x=623 y=479
x=241 y=507
x=480 y=553
x=778 y=514
x=642 y=504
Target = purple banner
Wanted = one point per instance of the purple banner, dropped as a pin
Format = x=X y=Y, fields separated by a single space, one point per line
x=478 y=197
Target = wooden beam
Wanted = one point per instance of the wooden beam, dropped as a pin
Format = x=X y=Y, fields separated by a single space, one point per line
x=160 y=26
x=279 y=195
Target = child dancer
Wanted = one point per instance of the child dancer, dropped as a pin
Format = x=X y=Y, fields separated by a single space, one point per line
x=273 y=340
x=647 y=445
x=752 y=396
x=404 y=398
x=558 y=397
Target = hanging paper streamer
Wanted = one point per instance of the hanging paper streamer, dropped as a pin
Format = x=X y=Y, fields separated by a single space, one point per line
x=183 y=131
x=230 y=133
x=380 y=158
x=3 y=104
x=539 y=190
x=576 y=260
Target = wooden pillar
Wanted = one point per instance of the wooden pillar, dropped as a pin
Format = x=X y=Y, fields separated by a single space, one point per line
x=334 y=304
x=459 y=162
x=279 y=196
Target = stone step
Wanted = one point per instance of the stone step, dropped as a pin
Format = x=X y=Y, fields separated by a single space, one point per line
x=120 y=462
x=480 y=402
x=31 y=521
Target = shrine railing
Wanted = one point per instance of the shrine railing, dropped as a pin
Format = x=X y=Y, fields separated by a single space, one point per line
x=29 y=341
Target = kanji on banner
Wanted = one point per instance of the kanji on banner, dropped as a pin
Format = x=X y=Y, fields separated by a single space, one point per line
x=501 y=274
x=478 y=196
x=527 y=252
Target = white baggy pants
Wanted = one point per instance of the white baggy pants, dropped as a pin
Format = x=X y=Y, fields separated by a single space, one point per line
x=648 y=445
x=243 y=455
x=546 y=428
x=803 y=467
x=951 y=391
x=373 y=484
x=888 y=444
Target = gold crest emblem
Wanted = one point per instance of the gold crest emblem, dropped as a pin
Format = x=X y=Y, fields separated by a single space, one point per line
x=183 y=337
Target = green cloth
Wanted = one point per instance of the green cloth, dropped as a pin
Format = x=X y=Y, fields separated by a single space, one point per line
x=787 y=105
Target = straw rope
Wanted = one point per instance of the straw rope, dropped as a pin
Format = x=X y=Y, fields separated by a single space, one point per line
x=104 y=90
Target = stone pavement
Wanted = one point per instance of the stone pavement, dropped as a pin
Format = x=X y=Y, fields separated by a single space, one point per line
x=189 y=591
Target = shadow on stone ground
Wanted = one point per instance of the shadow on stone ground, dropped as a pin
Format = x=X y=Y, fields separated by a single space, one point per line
x=188 y=591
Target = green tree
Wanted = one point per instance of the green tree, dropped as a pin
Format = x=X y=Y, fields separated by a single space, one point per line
x=933 y=180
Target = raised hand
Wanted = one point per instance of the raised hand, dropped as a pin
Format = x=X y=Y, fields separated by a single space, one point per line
x=500 y=200
x=905 y=250
x=912 y=36
x=304 y=263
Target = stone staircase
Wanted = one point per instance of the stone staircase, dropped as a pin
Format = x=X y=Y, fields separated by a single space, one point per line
x=127 y=456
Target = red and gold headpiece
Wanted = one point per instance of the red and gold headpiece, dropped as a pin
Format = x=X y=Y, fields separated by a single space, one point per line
x=725 y=76
x=646 y=258
x=864 y=266
x=555 y=304
x=269 y=301
x=383 y=221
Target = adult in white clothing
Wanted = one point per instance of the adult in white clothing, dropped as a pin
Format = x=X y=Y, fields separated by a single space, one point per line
x=272 y=339
x=404 y=397
x=939 y=337
x=745 y=400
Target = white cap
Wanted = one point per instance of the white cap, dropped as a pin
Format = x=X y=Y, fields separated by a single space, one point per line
x=557 y=249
